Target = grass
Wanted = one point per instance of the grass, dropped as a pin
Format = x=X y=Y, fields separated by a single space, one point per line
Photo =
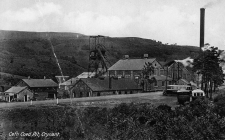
x=103 y=101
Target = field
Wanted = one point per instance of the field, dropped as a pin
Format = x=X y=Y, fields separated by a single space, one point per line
x=102 y=101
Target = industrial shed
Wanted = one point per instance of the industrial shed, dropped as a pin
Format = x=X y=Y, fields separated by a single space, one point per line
x=160 y=82
x=103 y=86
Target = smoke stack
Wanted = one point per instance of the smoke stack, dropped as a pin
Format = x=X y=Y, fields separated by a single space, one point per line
x=202 y=27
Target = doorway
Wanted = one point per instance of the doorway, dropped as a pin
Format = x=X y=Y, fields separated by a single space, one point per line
x=25 y=98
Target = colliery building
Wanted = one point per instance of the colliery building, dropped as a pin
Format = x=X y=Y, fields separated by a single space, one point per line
x=42 y=88
x=165 y=73
x=132 y=68
x=87 y=87
x=180 y=75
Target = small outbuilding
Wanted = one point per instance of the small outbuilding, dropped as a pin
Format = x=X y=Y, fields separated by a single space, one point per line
x=18 y=94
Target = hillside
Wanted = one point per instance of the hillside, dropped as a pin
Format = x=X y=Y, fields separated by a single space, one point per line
x=31 y=54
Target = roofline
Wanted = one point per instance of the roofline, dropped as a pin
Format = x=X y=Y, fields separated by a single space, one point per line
x=20 y=91
x=154 y=59
x=77 y=83
x=35 y=86
x=100 y=90
x=82 y=79
x=116 y=90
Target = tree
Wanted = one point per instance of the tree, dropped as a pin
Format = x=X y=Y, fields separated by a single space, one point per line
x=146 y=72
x=208 y=65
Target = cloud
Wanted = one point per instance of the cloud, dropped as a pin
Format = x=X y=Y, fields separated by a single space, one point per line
x=93 y=23
x=167 y=23
x=212 y=3
x=33 y=13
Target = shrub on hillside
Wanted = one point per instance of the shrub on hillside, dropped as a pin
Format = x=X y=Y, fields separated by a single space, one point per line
x=126 y=121
x=219 y=102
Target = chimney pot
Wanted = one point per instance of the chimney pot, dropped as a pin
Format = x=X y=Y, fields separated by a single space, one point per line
x=44 y=77
x=28 y=77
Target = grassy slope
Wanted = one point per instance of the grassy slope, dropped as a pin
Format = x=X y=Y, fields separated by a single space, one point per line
x=30 y=53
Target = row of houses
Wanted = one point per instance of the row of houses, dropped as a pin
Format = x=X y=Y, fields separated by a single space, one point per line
x=124 y=77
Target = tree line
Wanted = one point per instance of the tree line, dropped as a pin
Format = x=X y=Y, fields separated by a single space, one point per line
x=208 y=66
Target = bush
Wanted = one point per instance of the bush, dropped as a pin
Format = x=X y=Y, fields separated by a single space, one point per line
x=219 y=102
x=197 y=121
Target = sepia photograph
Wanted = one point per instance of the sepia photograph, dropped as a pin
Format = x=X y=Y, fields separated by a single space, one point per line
x=112 y=70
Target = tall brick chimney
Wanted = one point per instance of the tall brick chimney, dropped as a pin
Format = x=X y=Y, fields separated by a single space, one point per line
x=202 y=27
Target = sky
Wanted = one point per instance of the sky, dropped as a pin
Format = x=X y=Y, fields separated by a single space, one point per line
x=168 y=21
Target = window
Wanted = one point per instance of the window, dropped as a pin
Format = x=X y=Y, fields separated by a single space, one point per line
x=163 y=83
x=119 y=72
x=161 y=71
x=112 y=72
x=156 y=83
x=198 y=94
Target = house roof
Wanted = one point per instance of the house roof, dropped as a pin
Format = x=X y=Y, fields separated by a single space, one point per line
x=15 y=89
x=40 y=82
x=131 y=64
x=161 y=78
x=169 y=63
x=97 y=84
x=163 y=63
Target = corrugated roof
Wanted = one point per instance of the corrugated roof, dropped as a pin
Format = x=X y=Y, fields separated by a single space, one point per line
x=131 y=64
x=97 y=84
x=86 y=75
x=70 y=81
x=40 y=82
x=15 y=89
x=75 y=79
